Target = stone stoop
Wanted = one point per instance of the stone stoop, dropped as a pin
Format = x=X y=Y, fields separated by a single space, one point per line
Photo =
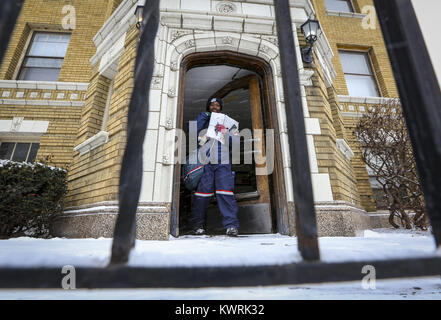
x=380 y=220
x=98 y=220
x=336 y=219
x=341 y=219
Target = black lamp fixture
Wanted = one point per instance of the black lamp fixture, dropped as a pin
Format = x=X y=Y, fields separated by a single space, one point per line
x=139 y=16
x=310 y=30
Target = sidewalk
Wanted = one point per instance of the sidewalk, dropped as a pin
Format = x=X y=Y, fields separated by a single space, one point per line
x=224 y=251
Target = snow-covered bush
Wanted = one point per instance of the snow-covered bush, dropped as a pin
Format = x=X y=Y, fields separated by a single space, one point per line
x=31 y=196
x=388 y=154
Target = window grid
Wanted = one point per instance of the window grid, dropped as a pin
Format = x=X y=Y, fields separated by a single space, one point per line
x=47 y=49
x=371 y=73
x=340 y=5
x=28 y=152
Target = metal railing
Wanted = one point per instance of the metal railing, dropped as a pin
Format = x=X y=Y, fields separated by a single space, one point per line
x=421 y=102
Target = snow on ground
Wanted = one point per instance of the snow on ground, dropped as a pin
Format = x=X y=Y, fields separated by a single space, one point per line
x=224 y=251
x=217 y=250
x=403 y=289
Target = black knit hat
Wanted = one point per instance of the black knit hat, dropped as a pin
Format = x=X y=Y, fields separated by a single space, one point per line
x=210 y=101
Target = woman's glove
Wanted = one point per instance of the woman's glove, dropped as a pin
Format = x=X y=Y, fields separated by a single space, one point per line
x=202 y=140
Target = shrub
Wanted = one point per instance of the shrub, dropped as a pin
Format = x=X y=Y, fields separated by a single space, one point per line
x=388 y=153
x=31 y=196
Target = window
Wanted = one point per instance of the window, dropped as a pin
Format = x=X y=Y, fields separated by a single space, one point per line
x=44 y=57
x=18 y=151
x=339 y=5
x=358 y=74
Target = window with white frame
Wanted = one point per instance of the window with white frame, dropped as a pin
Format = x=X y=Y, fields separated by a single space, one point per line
x=45 y=56
x=359 y=76
x=19 y=151
x=339 y=5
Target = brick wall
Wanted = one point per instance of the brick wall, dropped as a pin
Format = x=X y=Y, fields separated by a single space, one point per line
x=348 y=33
x=60 y=103
x=330 y=160
x=59 y=140
x=94 y=176
x=47 y=15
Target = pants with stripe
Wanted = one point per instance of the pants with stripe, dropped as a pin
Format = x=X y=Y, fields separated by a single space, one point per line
x=216 y=178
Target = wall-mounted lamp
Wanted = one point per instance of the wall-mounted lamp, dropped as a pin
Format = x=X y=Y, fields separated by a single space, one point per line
x=139 y=15
x=310 y=30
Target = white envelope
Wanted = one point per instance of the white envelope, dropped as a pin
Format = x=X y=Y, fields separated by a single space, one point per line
x=230 y=124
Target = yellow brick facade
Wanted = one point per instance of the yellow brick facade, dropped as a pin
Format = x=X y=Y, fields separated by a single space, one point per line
x=348 y=33
x=44 y=15
x=61 y=106
x=90 y=103
x=94 y=177
x=329 y=159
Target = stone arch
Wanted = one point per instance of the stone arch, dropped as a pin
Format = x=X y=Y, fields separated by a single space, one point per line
x=217 y=41
x=223 y=49
x=186 y=44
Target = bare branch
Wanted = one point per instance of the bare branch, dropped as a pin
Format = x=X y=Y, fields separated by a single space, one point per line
x=387 y=151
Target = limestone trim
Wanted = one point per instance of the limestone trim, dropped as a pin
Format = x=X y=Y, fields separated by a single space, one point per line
x=43 y=85
x=238 y=23
x=114 y=28
x=365 y=100
x=18 y=127
x=109 y=61
x=149 y=226
x=296 y=7
x=53 y=103
x=106 y=207
x=325 y=54
x=306 y=77
x=338 y=205
x=343 y=146
x=351 y=115
x=94 y=142
x=346 y=14
x=226 y=7
x=123 y=18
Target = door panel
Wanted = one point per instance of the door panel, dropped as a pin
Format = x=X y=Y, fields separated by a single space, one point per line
x=259 y=134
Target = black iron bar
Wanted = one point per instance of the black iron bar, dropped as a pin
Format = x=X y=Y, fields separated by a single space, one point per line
x=202 y=277
x=306 y=224
x=420 y=97
x=9 y=11
x=131 y=171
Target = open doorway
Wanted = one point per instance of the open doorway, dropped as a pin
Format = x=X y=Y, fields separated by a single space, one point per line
x=244 y=90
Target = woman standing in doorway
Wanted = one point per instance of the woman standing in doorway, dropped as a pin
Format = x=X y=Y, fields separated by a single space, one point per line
x=217 y=177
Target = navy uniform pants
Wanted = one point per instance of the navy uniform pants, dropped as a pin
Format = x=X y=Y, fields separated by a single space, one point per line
x=219 y=179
